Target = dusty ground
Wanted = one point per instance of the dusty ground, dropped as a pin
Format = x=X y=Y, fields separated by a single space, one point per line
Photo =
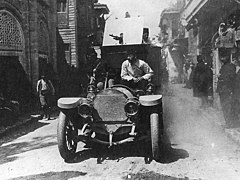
x=195 y=147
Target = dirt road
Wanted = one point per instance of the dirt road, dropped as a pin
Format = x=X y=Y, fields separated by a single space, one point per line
x=195 y=147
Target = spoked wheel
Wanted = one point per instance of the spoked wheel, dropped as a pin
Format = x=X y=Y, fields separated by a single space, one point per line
x=154 y=123
x=65 y=136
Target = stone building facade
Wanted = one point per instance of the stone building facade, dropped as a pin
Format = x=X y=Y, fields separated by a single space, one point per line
x=79 y=22
x=173 y=39
x=66 y=11
x=76 y=20
x=27 y=46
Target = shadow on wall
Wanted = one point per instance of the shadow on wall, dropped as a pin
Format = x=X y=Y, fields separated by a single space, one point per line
x=69 y=80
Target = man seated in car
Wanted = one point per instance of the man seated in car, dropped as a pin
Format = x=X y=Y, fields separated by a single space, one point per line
x=135 y=73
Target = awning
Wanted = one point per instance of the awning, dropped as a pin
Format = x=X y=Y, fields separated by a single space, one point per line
x=192 y=9
x=102 y=7
x=203 y=11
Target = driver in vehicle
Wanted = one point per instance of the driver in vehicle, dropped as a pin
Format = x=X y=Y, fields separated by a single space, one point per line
x=135 y=73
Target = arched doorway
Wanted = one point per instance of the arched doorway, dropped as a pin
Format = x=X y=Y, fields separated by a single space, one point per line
x=14 y=84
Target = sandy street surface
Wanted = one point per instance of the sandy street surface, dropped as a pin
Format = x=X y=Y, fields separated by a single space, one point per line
x=195 y=147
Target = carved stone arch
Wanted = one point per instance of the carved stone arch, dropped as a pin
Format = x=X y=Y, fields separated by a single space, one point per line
x=12 y=41
x=11 y=33
x=43 y=39
x=13 y=9
x=42 y=17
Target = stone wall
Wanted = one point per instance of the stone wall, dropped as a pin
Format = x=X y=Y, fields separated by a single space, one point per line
x=31 y=17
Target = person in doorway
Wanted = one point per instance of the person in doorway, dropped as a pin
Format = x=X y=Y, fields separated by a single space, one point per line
x=45 y=92
x=135 y=73
x=225 y=86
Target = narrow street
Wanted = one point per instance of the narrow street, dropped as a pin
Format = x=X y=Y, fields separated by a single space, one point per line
x=195 y=147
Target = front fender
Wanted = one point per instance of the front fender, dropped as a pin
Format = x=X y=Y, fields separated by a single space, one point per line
x=150 y=100
x=69 y=103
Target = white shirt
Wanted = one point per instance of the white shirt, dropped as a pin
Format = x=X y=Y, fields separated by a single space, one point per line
x=45 y=86
x=138 y=69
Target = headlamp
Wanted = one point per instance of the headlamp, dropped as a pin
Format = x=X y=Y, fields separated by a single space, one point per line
x=131 y=107
x=85 y=108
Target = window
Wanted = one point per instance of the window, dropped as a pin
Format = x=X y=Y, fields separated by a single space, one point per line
x=61 y=5
x=62 y=9
x=67 y=49
x=10 y=31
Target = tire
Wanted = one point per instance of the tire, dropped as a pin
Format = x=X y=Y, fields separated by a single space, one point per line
x=154 y=125
x=65 y=135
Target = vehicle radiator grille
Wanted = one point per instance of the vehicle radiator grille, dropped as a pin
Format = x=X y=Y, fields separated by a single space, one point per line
x=109 y=105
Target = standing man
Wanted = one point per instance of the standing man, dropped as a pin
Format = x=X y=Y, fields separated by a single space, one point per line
x=225 y=87
x=236 y=95
x=135 y=73
x=45 y=92
x=200 y=82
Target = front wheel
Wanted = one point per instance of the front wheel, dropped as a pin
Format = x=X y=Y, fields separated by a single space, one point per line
x=65 y=136
x=154 y=124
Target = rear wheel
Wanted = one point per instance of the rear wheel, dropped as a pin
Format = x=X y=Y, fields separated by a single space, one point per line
x=65 y=136
x=154 y=124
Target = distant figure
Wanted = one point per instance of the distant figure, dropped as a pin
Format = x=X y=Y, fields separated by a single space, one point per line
x=135 y=73
x=127 y=15
x=145 y=38
x=190 y=75
x=45 y=92
x=118 y=38
x=209 y=74
x=236 y=95
x=189 y=67
x=200 y=82
x=225 y=86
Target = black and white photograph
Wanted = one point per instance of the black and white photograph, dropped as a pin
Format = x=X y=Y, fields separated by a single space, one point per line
x=120 y=89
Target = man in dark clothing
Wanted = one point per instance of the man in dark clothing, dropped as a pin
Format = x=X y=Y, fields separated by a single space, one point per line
x=210 y=84
x=225 y=87
x=236 y=95
x=200 y=82
x=189 y=83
